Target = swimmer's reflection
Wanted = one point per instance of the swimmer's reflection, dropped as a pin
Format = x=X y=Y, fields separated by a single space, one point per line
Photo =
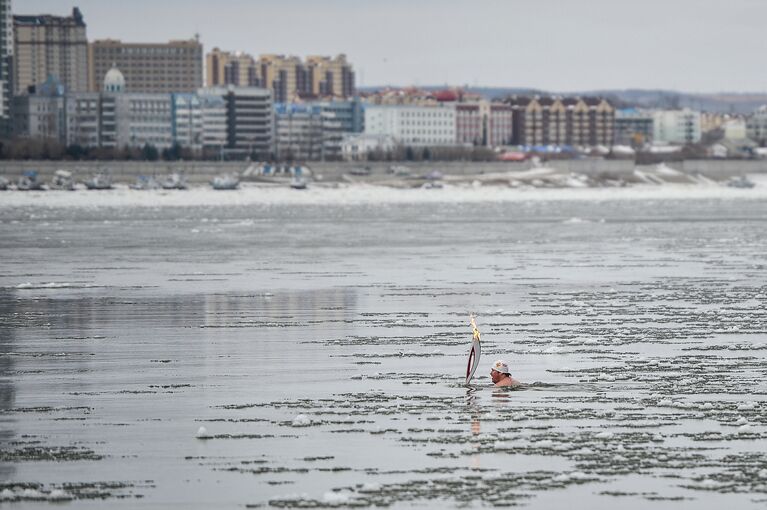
x=476 y=424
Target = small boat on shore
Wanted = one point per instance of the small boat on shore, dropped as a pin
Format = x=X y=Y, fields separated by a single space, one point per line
x=740 y=182
x=144 y=182
x=299 y=182
x=174 y=181
x=100 y=181
x=277 y=174
x=29 y=182
x=225 y=182
x=62 y=180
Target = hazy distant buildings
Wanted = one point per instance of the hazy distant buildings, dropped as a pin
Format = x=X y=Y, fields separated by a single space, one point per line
x=186 y=121
x=225 y=68
x=248 y=116
x=133 y=120
x=569 y=121
x=6 y=54
x=288 y=77
x=633 y=127
x=756 y=126
x=330 y=77
x=483 y=123
x=50 y=45
x=42 y=114
x=83 y=119
x=357 y=147
x=214 y=123
x=306 y=132
x=677 y=126
x=154 y=68
x=412 y=125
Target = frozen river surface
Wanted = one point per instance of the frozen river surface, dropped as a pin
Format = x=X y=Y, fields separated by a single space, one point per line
x=311 y=355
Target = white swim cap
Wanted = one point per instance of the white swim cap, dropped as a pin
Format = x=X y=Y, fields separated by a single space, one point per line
x=501 y=366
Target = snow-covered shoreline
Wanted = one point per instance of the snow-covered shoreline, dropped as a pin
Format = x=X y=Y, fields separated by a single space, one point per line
x=347 y=194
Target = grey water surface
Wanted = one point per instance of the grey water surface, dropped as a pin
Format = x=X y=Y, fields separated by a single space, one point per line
x=323 y=348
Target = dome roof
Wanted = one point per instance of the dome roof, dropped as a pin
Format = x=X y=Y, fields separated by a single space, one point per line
x=114 y=81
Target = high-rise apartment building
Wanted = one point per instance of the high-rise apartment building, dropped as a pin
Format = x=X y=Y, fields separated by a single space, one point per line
x=332 y=77
x=6 y=53
x=226 y=68
x=152 y=68
x=287 y=77
x=50 y=45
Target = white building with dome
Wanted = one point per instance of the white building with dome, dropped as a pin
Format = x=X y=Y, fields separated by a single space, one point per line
x=114 y=81
x=236 y=119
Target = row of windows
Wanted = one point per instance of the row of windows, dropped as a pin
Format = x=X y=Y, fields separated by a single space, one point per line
x=196 y=52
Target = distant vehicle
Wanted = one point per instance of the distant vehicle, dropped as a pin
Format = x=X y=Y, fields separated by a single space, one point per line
x=29 y=182
x=4 y=183
x=102 y=180
x=740 y=182
x=432 y=185
x=174 y=181
x=62 y=180
x=145 y=182
x=225 y=182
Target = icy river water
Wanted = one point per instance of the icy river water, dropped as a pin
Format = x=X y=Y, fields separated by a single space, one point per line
x=312 y=355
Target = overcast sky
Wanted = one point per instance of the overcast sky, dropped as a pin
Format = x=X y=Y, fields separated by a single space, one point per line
x=559 y=45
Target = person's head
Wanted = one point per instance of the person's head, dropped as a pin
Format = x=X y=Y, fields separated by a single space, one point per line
x=499 y=370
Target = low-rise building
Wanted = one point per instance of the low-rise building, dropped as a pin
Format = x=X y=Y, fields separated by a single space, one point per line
x=42 y=113
x=756 y=126
x=249 y=119
x=214 y=123
x=633 y=127
x=412 y=125
x=186 y=121
x=680 y=127
x=83 y=119
x=356 y=147
x=306 y=132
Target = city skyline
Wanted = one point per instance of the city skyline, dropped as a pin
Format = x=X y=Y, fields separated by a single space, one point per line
x=551 y=45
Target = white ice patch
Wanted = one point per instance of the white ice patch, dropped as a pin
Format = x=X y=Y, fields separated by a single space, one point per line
x=50 y=285
x=336 y=498
x=59 y=495
x=301 y=421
